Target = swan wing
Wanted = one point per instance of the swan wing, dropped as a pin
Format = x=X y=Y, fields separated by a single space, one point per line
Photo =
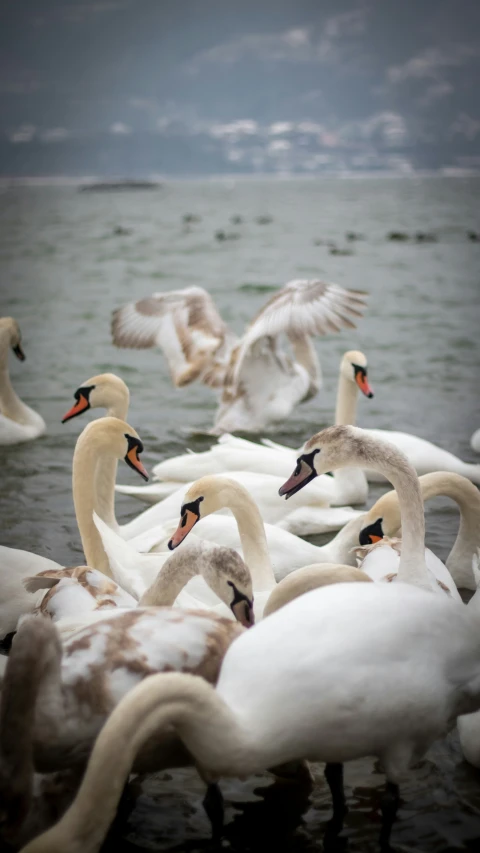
x=300 y=309
x=185 y=325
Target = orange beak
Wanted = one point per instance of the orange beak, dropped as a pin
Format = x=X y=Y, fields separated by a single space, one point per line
x=189 y=520
x=364 y=384
x=81 y=406
x=374 y=538
x=134 y=462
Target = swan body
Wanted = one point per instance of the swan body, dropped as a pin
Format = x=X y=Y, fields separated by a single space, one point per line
x=383 y=519
x=18 y=422
x=260 y=382
x=404 y=681
x=381 y=560
x=77 y=590
x=287 y=551
x=15 y=566
x=424 y=456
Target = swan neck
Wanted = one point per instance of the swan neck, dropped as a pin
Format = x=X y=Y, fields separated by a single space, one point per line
x=252 y=536
x=412 y=567
x=171 y=579
x=84 y=481
x=11 y=406
x=106 y=475
x=346 y=407
x=199 y=716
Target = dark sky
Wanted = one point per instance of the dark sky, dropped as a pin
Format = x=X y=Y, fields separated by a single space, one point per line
x=374 y=74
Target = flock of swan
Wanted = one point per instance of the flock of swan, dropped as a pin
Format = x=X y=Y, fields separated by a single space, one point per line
x=248 y=648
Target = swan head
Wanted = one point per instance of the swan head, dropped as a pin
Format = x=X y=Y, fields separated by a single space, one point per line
x=226 y=573
x=10 y=336
x=354 y=368
x=105 y=391
x=204 y=496
x=333 y=447
x=113 y=437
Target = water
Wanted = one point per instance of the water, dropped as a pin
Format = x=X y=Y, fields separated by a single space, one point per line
x=63 y=271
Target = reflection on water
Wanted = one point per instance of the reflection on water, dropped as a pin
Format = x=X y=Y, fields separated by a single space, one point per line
x=63 y=271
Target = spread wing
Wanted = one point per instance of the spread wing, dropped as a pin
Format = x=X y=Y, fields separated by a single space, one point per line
x=301 y=309
x=187 y=327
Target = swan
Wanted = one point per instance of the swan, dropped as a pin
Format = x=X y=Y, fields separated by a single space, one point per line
x=345 y=487
x=259 y=383
x=263 y=489
x=82 y=680
x=308 y=578
x=18 y=422
x=287 y=551
x=383 y=519
x=148 y=580
x=109 y=437
x=381 y=560
x=361 y=448
x=279 y=698
x=475 y=441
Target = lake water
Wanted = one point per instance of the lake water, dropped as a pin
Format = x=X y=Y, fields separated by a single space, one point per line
x=63 y=270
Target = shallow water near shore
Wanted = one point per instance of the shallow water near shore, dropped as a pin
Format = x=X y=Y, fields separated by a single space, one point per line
x=63 y=270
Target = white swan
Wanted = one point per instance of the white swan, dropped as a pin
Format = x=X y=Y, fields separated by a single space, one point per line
x=18 y=422
x=260 y=384
x=109 y=437
x=345 y=487
x=381 y=560
x=383 y=519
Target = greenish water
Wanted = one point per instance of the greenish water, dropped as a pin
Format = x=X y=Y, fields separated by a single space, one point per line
x=63 y=271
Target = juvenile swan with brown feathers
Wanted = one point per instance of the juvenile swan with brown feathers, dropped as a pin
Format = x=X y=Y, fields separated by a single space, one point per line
x=260 y=383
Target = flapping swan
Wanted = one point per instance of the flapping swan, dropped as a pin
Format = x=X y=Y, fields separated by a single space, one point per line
x=383 y=519
x=345 y=487
x=408 y=662
x=109 y=437
x=18 y=422
x=260 y=384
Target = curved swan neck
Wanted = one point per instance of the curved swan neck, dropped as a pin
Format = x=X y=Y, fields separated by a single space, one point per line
x=362 y=451
x=172 y=577
x=467 y=497
x=90 y=445
x=347 y=397
x=200 y=717
x=235 y=497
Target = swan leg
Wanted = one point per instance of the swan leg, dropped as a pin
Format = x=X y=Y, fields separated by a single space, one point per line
x=213 y=805
x=389 y=808
x=334 y=777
